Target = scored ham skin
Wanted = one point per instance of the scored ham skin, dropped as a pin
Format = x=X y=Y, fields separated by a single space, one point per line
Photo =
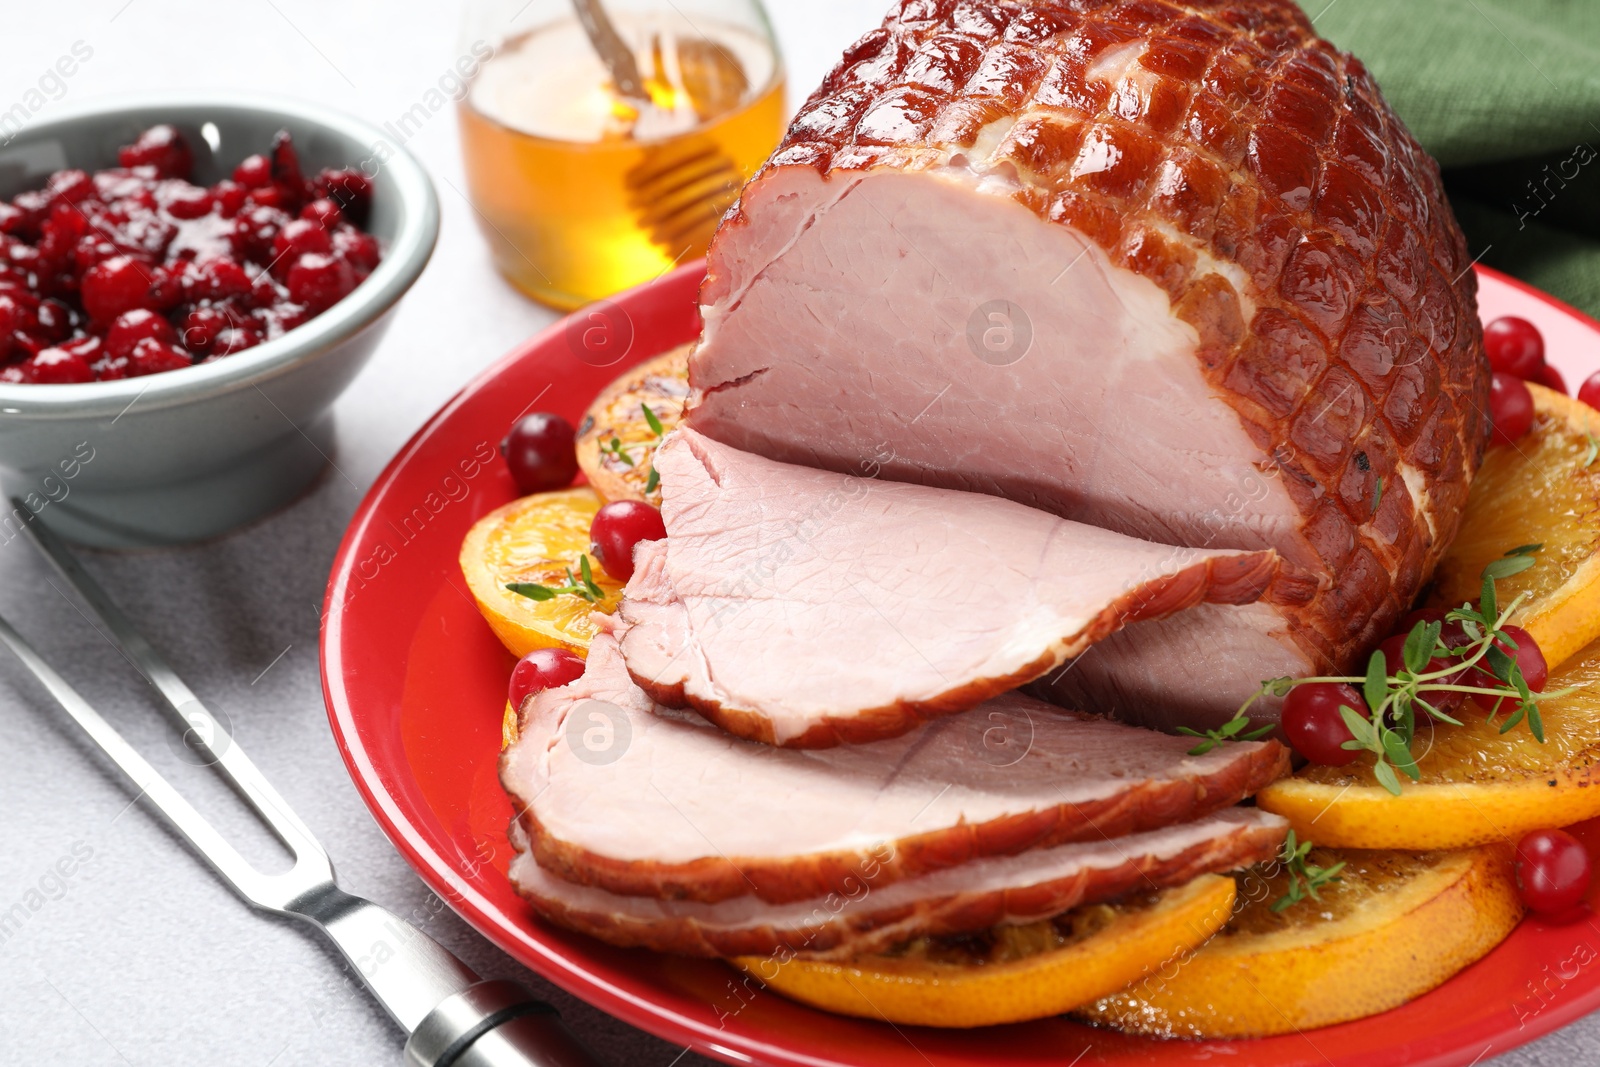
x=866 y=917
x=1250 y=305
x=688 y=812
x=804 y=608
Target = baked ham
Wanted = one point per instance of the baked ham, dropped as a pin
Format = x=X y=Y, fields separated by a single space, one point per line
x=801 y=607
x=615 y=792
x=862 y=917
x=1171 y=269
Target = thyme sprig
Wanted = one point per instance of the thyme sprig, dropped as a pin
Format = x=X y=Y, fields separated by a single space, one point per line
x=1305 y=878
x=1387 y=725
x=615 y=447
x=581 y=586
x=1228 y=731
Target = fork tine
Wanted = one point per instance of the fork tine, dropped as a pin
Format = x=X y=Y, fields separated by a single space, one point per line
x=195 y=717
x=184 y=818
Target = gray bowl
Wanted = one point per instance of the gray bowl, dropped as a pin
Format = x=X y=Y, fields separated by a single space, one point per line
x=189 y=454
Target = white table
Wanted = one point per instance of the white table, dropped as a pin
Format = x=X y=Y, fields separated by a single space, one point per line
x=139 y=956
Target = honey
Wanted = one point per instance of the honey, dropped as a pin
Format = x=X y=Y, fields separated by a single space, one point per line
x=582 y=192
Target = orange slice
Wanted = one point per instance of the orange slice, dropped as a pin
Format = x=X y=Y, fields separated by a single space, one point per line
x=1011 y=973
x=537 y=539
x=1395 y=926
x=1477 y=785
x=1544 y=490
x=616 y=442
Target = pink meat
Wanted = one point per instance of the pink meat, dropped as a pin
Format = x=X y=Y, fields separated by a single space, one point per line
x=619 y=793
x=864 y=917
x=1173 y=269
x=796 y=606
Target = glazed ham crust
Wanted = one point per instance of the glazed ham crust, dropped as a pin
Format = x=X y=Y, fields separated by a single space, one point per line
x=1255 y=175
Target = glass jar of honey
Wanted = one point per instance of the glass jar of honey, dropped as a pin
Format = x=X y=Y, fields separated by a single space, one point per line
x=604 y=139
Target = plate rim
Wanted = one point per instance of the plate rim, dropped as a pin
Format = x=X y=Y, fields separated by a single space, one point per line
x=442 y=876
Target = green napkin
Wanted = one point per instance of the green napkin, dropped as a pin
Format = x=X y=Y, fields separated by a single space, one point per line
x=1506 y=94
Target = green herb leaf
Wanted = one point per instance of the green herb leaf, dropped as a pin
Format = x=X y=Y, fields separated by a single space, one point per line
x=1385 y=775
x=1594 y=451
x=1488 y=606
x=532 y=590
x=1377 y=496
x=1419 y=646
x=1377 y=683
x=654 y=480
x=650 y=417
x=1505 y=568
x=1525 y=550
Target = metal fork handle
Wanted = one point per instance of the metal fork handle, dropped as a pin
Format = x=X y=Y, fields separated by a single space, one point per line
x=455 y=1020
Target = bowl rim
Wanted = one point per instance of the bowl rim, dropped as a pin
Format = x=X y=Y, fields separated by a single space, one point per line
x=408 y=253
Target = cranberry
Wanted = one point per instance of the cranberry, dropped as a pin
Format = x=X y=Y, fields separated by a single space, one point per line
x=1553 y=871
x=230 y=196
x=55 y=320
x=185 y=201
x=255 y=172
x=166 y=287
x=540 y=452
x=1527 y=655
x=319 y=281
x=12 y=219
x=117 y=285
x=1514 y=346
x=617 y=528
x=360 y=249
x=235 y=339
x=161 y=147
x=69 y=187
x=217 y=278
x=1510 y=408
x=201 y=326
x=324 y=211
x=131 y=327
x=301 y=237
x=268 y=196
x=111 y=368
x=1313 y=724
x=1551 y=378
x=151 y=356
x=1393 y=649
x=541 y=669
x=350 y=189
x=57 y=366
x=1589 y=391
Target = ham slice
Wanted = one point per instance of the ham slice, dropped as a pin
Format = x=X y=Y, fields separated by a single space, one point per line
x=1176 y=270
x=864 y=917
x=617 y=793
x=805 y=608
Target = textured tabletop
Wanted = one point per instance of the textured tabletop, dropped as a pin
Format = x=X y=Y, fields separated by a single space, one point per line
x=139 y=956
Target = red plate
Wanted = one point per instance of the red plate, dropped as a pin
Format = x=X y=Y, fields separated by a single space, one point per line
x=416 y=684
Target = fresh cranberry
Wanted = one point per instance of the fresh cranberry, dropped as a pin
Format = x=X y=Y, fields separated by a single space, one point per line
x=1527 y=655
x=1510 y=408
x=541 y=669
x=617 y=528
x=254 y=172
x=1589 y=391
x=13 y=375
x=269 y=196
x=161 y=147
x=254 y=231
x=1551 y=378
x=299 y=238
x=229 y=196
x=12 y=219
x=217 y=278
x=166 y=286
x=319 y=281
x=184 y=201
x=131 y=327
x=358 y=248
x=324 y=211
x=151 y=356
x=1515 y=346
x=1553 y=871
x=119 y=284
x=55 y=320
x=1393 y=649
x=111 y=368
x=540 y=452
x=69 y=186
x=57 y=366
x=350 y=189
x=1314 y=725
x=235 y=339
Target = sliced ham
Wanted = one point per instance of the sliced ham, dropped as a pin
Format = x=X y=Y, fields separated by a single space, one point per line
x=617 y=793
x=865 y=917
x=1176 y=270
x=805 y=608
